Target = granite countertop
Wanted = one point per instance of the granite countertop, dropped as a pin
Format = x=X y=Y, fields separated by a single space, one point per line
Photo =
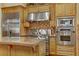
x=23 y=41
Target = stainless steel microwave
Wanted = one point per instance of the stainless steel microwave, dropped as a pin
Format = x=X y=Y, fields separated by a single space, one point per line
x=65 y=21
x=38 y=16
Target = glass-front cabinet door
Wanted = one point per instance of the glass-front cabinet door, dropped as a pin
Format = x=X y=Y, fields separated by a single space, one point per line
x=10 y=24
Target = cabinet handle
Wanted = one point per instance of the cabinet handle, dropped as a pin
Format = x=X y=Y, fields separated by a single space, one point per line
x=73 y=31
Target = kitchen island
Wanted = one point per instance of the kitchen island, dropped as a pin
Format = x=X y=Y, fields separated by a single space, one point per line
x=22 y=47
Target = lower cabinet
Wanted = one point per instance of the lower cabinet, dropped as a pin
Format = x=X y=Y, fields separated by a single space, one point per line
x=65 y=50
x=52 y=46
x=37 y=50
x=22 y=51
x=18 y=50
x=4 y=50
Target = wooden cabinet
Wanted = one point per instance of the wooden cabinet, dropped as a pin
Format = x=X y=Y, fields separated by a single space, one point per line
x=26 y=24
x=38 y=8
x=53 y=46
x=21 y=51
x=14 y=50
x=17 y=50
x=44 y=8
x=65 y=50
x=12 y=4
x=32 y=9
x=20 y=12
x=52 y=15
x=65 y=9
x=4 y=50
x=38 y=50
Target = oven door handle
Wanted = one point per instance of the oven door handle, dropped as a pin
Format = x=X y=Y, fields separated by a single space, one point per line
x=57 y=31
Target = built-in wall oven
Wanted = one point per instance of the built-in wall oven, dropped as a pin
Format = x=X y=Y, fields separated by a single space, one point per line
x=65 y=31
x=66 y=36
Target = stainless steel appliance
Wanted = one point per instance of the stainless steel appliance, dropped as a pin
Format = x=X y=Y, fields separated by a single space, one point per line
x=43 y=16
x=65 y=31
x=66 y=36
x=38 y=16
x=65 y=21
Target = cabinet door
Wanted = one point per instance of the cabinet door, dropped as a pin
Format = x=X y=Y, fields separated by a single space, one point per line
x=65 y=9
x=52 y=46
x=42 y=48
x=52 y=15
x=43 y=8
x=13 y=11
x=21 y=51
x=70 y=9
x=65 y=50
x=4 y=50
x=32 y=9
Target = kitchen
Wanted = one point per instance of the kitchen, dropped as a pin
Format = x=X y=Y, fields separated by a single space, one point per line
x=39 y=29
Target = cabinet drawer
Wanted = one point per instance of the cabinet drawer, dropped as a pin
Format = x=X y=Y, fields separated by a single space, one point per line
x=65 y=50
x=66 y=47
x=65 y=9
x=65 y=53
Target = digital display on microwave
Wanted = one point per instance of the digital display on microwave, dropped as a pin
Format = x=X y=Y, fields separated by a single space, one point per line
x=65 y=38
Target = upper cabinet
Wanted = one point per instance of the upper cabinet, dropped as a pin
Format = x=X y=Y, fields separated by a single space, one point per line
x=37 y=12
x=12 y=21
x=32 y=8
x=13 y=4
x=65 y=9
x=43 y=8
x=38 y=8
